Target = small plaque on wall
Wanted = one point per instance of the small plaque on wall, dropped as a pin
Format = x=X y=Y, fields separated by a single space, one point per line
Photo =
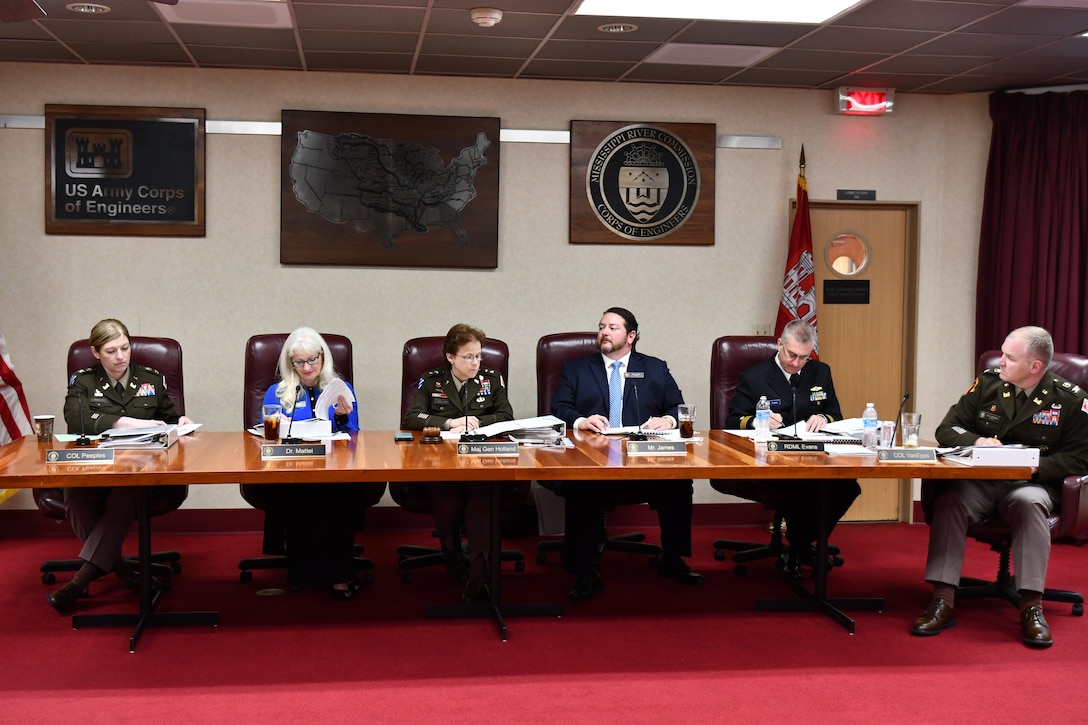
x=846 y=292
x=124 y=171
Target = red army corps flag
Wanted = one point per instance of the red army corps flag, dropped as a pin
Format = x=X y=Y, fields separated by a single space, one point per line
x=799 y=283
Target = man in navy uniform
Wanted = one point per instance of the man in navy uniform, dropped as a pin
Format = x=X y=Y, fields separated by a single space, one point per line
x=791 y=378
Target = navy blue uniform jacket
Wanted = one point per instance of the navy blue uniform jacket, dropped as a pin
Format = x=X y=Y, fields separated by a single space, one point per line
x=815 y=394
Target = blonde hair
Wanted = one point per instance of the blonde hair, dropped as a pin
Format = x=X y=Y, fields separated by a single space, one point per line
x=304 y=339
x=106 y=330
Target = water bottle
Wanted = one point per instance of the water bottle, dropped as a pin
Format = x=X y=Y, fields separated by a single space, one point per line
x=762 y=422
x=870 y=427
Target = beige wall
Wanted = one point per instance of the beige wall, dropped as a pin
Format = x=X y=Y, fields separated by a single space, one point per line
x=212 y=293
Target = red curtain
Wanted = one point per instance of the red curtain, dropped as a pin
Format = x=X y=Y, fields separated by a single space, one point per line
x=1033 y=250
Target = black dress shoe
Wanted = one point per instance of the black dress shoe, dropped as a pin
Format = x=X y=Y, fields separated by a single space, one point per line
x=1034 y=627
x=680 y=572
x=586 y=586
x=938 y=615
x=64 y=599
x=791 y=567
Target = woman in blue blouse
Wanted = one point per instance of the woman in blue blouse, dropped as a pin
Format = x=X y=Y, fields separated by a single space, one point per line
x=317 y=522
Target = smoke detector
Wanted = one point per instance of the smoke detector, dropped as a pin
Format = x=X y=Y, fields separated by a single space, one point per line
x=485 y=17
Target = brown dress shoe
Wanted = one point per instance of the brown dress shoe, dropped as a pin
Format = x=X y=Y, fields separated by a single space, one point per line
x=1034 y=627
x=64 y=599
x=938 y=615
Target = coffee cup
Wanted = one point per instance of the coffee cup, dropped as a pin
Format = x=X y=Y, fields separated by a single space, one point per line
x=43 y=428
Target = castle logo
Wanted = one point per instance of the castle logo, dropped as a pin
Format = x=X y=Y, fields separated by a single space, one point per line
x=642 y=182
x=98 y=153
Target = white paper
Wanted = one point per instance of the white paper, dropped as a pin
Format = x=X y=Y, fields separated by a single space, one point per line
x=541 y=421
x=330 y=397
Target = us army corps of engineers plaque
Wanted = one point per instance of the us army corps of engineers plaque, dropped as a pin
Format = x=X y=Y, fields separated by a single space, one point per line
x=124 y=171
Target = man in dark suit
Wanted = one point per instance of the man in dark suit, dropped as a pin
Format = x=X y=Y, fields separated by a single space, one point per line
x=598 y=392
x=791 y=375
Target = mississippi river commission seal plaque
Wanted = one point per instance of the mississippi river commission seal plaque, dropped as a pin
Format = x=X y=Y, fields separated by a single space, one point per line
x=642 y=183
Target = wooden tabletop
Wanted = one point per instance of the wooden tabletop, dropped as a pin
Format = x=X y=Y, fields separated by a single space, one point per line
x=235 y=457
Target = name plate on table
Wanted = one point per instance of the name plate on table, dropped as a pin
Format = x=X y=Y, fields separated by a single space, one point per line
x=79 y=455
x=488 y=448
x=657 y=448
x=795 y=447
x=279 y=451
x=913 y=455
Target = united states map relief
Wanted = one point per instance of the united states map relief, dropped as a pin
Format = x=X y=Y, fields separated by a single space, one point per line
x=384 y=187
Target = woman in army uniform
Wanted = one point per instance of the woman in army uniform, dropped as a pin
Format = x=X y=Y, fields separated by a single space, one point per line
x=440 y=401
x=111 y=394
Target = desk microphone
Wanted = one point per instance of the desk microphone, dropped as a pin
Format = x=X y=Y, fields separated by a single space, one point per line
x=83 y=440
x=638 y=436
x=288 y=439
x=895 y=429
x=794 y=379
x=467 y=437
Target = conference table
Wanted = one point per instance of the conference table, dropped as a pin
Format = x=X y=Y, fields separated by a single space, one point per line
x=217 y=458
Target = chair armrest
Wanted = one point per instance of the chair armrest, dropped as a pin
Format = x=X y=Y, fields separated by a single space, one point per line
x=1074 y=510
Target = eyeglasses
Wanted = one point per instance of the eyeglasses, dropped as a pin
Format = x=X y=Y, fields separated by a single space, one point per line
x=471 y=358
x=794 y=356
x=303 y=363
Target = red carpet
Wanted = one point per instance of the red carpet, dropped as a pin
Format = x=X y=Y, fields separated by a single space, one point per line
x=646 y=650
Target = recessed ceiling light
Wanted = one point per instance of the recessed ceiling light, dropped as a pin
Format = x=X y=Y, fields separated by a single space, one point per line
x=617 y=28
x=88 y=8
x=765 y=11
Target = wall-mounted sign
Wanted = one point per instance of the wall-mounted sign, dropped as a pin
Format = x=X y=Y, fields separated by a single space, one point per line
x=389 y=190
x=846 y=292
x=641 y=183
x=124 y=171
x=855 y=194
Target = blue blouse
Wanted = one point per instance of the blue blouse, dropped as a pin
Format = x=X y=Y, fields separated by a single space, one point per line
x=303 y=411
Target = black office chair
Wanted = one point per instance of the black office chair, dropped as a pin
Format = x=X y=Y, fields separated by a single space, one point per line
x=552 y=351
x=162 y=354
x=261 y=372
x=1069 y=523
x=421 y=354
x=729 y=357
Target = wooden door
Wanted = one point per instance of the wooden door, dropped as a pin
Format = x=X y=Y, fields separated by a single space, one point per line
x=866 y=280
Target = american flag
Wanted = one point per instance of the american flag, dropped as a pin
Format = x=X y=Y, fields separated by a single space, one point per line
x=13 y=408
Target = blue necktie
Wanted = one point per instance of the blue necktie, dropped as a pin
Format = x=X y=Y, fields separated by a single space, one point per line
x=615 y=397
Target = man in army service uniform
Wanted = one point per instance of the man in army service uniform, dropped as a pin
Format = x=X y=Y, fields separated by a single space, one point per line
x=1019 y=402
